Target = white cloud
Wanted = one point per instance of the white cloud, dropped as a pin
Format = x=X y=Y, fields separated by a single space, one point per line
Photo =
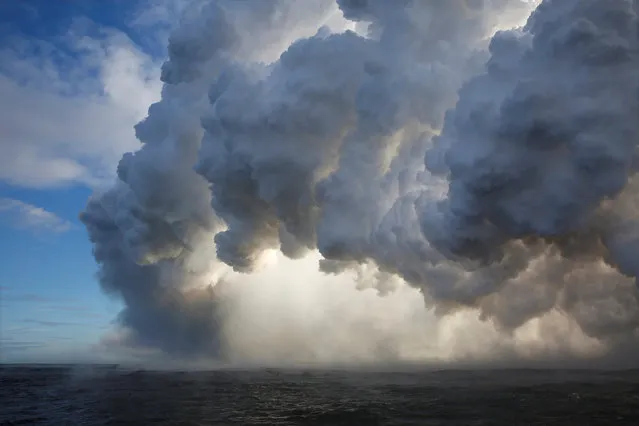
x=69 y=105
x=33 y=218
x=157 y=18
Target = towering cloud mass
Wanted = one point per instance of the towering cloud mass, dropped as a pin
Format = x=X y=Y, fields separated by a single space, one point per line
x=540 y=157
x=437 y=144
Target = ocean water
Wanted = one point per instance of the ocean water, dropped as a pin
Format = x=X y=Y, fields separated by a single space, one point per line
x=83 y=395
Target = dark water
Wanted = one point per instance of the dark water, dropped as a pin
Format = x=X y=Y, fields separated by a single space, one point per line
x=107 y=396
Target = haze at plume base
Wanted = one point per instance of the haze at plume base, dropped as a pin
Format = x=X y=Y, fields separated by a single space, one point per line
x=468 y=194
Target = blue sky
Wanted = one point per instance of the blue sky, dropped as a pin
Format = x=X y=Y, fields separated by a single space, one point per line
x=75 y=76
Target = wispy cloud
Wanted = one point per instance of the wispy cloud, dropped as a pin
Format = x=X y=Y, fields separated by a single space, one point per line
x=68 y=117
x=9 y=344
x=13 y=330
x=45 y=323
x=33 y=218
x=72 y=307
x=76 y=311
x=27 y=297
x=35 y=298
x=155 y=19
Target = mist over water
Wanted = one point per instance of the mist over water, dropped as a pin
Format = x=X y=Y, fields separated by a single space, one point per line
x=383 y=182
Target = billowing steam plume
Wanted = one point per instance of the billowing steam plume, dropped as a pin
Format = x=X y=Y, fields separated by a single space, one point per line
x=435 y=144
